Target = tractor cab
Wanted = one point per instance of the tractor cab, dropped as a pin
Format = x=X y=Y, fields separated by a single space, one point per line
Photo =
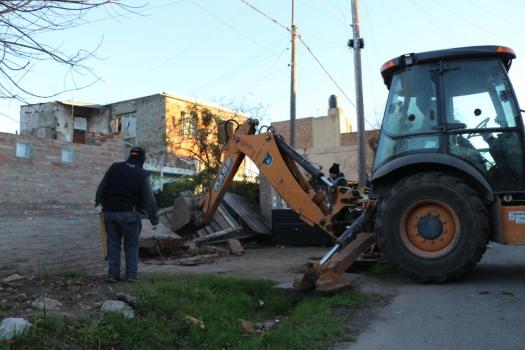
x=453 y=109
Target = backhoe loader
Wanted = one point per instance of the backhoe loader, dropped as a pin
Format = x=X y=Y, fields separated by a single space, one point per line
x=447 y=178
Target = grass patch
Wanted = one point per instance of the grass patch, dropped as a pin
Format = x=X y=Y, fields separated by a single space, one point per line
x=381 y=268
x=307 y=321
x=73 y=274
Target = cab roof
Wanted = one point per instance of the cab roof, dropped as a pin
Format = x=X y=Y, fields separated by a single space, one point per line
x=506 y=54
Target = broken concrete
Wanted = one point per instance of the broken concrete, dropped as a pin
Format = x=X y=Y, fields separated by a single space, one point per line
x=10 y=328
x=51 y=304
x=119 y=307
x=12 y=278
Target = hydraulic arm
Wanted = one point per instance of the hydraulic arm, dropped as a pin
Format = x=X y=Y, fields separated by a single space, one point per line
x=317 y=200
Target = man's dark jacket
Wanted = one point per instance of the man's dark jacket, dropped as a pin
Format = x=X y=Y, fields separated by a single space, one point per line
x=126 y=187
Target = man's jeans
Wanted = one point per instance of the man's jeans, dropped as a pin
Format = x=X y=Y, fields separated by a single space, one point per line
x=121 y=225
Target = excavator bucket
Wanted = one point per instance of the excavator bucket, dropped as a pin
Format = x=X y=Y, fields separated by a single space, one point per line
x=327 y=275
x=185 y=212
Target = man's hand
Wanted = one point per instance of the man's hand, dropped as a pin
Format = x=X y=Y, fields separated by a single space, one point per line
x=154 y=227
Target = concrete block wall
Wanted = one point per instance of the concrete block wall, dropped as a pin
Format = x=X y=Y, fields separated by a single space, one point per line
x=48 y=222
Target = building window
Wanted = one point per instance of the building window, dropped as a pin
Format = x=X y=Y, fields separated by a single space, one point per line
x=189 y=124
x=67 y=155
x=23 y=150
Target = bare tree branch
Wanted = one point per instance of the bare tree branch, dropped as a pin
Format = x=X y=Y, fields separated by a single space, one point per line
x=22 y=23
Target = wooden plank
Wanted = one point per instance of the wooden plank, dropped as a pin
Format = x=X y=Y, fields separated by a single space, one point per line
x=209 y=230
x=165 y=211
x=231 y=221
x=220 y=221
x=215 y=226
x=245 y=213
x=216 y=234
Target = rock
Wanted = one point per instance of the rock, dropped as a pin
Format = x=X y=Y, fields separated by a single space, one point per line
x=47 y=303
x=247 y=326
x=21 y=297
x=190 y=247
x=118 y=306
x=131 y=300
x=235 y=246
x=196 y=322
x=12 y=278
x=267 y=325
x=12 y=327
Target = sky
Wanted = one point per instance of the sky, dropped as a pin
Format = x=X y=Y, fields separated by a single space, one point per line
x=224 y=52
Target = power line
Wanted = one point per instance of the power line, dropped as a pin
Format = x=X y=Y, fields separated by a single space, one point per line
x=232 y=28
x=12 y=119
x=306 y=46
x=265 y=15
x=327 y=73
x=182 y=51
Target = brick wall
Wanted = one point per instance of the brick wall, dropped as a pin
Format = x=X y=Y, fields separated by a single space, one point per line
x=48 y=222
x=350 y=138
x=303 y=132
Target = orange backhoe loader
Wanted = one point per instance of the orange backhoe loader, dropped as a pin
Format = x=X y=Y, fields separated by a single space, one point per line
x=448 y=175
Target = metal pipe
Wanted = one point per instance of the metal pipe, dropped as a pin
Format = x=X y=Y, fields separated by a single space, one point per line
x=299 y=159
x=356 y=227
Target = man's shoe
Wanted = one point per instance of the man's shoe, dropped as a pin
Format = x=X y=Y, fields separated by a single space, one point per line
x=132 y=280
x=112 y=280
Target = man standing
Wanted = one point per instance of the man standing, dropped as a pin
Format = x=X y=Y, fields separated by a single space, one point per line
x=124 y=192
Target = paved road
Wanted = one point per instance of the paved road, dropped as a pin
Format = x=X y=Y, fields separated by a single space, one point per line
x=486 y=310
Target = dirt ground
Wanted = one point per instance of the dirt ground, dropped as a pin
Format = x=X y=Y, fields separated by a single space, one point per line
x=82 y=294
x=278 y=264
x=78 y=294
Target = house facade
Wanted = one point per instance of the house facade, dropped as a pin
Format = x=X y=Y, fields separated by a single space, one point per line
x=174 y=130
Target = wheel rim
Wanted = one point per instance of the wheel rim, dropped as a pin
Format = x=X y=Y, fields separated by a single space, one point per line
x=430 y=228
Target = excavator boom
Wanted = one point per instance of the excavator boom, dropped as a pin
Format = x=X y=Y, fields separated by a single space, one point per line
x=334 y=209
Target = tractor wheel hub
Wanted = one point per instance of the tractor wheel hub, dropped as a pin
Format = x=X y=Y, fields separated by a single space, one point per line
x=430 y=227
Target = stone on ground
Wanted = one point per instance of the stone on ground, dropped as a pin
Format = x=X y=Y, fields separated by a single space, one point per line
x=119 y=307
x=12 y=327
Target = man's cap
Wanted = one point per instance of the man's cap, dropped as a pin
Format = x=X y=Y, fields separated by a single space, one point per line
x=334 y=169
x=138 y=153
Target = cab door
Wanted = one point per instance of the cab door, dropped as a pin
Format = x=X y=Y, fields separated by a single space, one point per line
x=482 y=122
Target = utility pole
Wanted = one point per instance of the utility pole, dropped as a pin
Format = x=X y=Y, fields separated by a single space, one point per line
x=292 y=82
x=357 y=43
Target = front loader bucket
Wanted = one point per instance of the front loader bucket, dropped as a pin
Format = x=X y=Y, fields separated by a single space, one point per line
x=185 y=211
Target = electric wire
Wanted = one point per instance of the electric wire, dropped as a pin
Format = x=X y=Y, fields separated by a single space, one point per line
x=240 y=67
x=265 y=15
x=394 y=27
x=231 y=27
x=468 y=20
x=326 y=71
x=8 y=117
x=182 y=51
x=299 y=37
x=430 y=19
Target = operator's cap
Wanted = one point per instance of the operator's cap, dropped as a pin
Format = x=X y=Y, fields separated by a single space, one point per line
x=334 y=169
x=138 y=153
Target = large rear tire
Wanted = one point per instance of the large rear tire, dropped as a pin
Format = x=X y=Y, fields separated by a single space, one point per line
x=432 y=226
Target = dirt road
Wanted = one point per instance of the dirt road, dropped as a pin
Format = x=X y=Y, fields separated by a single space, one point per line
x=276 y=264
x=486 y=310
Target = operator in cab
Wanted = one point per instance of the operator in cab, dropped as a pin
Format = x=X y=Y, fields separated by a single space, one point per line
x=336 y=176
x=124 y=192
